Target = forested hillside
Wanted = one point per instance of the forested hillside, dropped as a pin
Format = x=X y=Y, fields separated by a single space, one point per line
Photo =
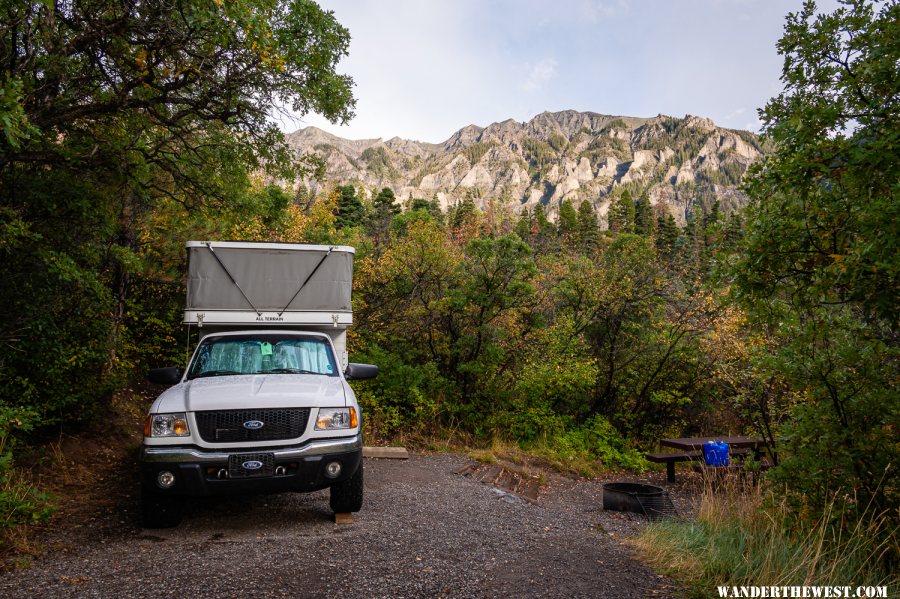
x=645 y=303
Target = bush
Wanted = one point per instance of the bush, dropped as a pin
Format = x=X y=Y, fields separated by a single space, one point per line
x=20 y=501
x=404 y=397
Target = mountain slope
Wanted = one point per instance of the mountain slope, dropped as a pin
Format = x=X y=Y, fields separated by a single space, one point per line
x=683 y=164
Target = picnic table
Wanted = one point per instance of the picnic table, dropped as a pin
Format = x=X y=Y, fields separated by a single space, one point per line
x=696 y=443
x=691 y=449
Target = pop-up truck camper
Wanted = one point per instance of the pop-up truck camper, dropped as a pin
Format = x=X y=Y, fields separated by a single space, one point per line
x=264 y=405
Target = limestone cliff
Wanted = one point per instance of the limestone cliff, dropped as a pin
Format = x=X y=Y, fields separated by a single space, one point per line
x=684 y=164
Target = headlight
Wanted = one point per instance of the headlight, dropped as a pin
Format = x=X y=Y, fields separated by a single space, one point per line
x=166 y=425
x=334 y=418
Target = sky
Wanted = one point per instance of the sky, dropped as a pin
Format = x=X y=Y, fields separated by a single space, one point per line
x=423 y=69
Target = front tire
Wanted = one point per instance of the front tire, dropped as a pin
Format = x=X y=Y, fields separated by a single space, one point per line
x=347 y=496
x=161 y=511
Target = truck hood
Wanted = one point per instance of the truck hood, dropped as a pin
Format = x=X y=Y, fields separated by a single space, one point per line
x=252 y=391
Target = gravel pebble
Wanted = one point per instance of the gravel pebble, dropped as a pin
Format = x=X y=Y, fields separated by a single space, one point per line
x=423 y=532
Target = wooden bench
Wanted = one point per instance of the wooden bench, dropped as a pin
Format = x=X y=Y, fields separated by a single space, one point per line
x=669 y=458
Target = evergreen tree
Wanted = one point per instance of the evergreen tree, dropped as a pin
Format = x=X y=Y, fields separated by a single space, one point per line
x=434 y=207
x=692 y=251
x=644 y=223
x=420 y=204
x=545 y=228
x=349 y=211
x=734 y=231
x=622 y=214
x=568 y=220
x=384 y=203
x=525 y=224
x=384 y=209
x=465 y=213
x=711 y=218
x=666 y=234
x=712 y=227
x=543 y=232
x=588 y=233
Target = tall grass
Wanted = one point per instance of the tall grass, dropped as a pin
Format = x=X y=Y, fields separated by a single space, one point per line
x=745 y=535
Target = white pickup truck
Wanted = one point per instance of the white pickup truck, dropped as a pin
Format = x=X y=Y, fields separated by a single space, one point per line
x=264 y=405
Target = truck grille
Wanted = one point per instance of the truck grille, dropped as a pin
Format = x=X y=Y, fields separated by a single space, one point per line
x=249 y=465
x=235 y=426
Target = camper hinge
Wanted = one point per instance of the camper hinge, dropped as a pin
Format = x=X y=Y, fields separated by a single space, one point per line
x=334 y=319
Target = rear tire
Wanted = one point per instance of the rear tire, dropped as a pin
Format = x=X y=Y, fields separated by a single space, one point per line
x=347 y=496
x=161 y=511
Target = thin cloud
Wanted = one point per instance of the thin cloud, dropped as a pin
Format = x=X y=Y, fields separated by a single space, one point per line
x=755 y=126
x=593 y=10
x=540 y=74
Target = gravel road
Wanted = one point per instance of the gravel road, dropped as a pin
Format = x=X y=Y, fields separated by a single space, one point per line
x=424 y=531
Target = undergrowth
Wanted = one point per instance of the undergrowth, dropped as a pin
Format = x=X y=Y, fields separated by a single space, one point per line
x=22 y=503
x=746 y=535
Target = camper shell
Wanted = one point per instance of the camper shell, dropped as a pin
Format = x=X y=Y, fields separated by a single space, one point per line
x=264 y=404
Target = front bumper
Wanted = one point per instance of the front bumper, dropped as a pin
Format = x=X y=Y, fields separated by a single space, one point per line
x=198 y=471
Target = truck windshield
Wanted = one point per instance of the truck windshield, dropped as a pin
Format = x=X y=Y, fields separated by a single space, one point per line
x=262 y=354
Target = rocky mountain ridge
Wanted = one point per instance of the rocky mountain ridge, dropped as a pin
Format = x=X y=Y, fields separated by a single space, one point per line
x=683 y=164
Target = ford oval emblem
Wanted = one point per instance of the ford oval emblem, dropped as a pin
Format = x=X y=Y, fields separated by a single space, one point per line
x=254 y=424
x=252 y=465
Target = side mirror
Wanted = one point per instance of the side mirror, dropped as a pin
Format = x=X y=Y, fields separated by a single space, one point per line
x=165 y=376
x=360 y=371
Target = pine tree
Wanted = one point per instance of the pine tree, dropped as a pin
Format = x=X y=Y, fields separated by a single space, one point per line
x=420 y=204
x=384 y=203
x=350 y=210
x=644 y=223
x=545 y=228
x=666 y=234
x=465 y=213
x=588 y=233
x=568 y=220
x=524 y=224
x=621 y=214
x=734 y=231
x=692 y=251
x=543 y=232
x=712 y=232
x=384 y=209
x=434 y=207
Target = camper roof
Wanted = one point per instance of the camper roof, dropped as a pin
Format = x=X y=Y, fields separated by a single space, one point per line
x=268 y=283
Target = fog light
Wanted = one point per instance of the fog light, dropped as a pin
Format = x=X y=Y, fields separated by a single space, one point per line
x=332 y=469
x=165 y=479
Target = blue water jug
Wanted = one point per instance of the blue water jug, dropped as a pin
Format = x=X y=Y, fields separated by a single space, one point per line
x=715 y=453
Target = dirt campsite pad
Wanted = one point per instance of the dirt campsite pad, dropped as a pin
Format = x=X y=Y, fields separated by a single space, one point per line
x=426 y=530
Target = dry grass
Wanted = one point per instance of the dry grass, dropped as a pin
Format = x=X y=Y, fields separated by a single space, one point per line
x=744 y=535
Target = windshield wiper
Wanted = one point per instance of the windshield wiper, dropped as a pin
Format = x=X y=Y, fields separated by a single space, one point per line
x=287 y=371
x=215 y=373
